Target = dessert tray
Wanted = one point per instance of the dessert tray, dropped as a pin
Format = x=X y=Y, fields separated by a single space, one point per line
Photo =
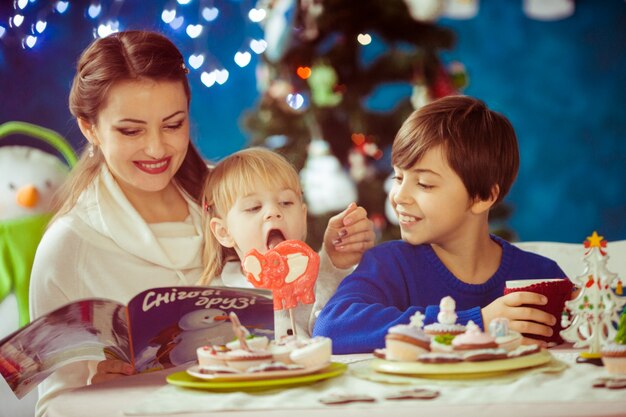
x=251 y=376
x=461 y=370
x=255 y=381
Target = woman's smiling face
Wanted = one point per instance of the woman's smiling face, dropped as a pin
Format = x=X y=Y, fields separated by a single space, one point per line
x=143 y=133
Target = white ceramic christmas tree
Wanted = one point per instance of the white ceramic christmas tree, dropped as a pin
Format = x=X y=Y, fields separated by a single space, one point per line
x=596 y=310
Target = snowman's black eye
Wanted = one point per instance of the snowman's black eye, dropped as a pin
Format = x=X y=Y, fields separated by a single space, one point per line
x=48 y=183
x=11 y=186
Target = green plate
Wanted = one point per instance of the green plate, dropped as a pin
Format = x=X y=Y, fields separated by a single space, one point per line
x=461 y=370
x=183 y=379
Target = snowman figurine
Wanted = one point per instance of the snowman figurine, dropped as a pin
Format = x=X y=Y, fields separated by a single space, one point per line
x=447 y=311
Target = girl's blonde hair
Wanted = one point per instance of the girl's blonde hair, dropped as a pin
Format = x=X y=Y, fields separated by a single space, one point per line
x=237 y=176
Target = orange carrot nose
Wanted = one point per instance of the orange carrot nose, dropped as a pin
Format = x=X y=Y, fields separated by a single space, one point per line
x=27 y=196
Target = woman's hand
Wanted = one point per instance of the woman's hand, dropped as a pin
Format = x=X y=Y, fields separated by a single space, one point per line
x=522 y=319
x=348 y=235
x=110 y=369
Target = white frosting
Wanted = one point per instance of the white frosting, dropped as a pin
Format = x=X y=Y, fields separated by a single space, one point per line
x=316 y=352
x=409 y=331
x=255 y=343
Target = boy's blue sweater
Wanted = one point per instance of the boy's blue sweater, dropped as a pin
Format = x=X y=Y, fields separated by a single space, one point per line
x=396 y=279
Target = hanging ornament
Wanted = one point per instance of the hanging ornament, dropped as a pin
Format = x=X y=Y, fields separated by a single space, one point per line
x=262 y=77
x=461 y=9
x=282 y=94
x=326 y=186
x=420 y=96
x=442 y=86
x=358 y=165
x=389 y=212
x=549 y=10
x=322 y=82
x=310 y=10
x=458 y=75
x=277 y=26
x=363 y=149
x=425 y=10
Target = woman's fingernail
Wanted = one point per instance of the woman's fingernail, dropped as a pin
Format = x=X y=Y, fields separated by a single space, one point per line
x=544 y=299
x=342 y=233
x=336 y=242
x=347 y=221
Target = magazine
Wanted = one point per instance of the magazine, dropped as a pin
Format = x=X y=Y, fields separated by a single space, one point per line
x=158 y=329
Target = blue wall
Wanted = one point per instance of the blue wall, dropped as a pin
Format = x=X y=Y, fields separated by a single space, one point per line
x=560 y=83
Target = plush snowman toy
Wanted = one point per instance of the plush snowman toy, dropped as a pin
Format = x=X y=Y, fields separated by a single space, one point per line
x=29 y=178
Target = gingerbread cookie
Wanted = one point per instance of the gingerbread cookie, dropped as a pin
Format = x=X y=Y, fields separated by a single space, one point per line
x=414 y=394
x=610 y=383
x=338 y=399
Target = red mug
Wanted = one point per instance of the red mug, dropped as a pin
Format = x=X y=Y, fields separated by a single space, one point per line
x=557 y=291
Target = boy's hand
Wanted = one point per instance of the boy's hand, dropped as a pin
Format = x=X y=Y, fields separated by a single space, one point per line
x=348 y=235
x=522 y=319
x=110 y=369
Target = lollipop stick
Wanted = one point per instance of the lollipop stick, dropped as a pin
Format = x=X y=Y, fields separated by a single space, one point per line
x=293 y=322
x=239 y=331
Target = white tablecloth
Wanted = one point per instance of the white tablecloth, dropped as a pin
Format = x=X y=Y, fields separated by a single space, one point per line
x=566 y=393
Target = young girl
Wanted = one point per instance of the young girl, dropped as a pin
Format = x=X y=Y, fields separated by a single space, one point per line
x=253 y=200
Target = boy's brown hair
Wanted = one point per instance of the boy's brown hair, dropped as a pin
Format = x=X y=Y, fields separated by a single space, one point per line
x=480 y=144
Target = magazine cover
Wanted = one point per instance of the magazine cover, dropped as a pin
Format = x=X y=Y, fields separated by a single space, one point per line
x=160 y=328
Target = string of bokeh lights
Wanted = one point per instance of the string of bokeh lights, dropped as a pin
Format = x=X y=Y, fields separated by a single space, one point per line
x=29 y=20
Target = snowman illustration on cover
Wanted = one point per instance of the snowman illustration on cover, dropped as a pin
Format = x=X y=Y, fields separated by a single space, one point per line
x=197 y=328
x=177 y=344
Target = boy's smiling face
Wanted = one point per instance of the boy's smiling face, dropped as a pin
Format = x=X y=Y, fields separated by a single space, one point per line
x=261 y=220
x=430 y=200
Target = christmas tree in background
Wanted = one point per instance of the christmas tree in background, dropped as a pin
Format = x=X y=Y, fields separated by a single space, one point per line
x=315 y=84
x=596 y=310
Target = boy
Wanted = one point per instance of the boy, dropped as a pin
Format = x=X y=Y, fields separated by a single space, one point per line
x=453 y=160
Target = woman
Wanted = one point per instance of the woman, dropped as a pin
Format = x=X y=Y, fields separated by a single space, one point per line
x=130 y=218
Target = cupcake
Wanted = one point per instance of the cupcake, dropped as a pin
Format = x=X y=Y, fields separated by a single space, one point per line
x=316 y=352
x=406 y=342
x=474 y=339
x=614 y=358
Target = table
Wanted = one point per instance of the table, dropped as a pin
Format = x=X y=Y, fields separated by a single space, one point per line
x=568 y=393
